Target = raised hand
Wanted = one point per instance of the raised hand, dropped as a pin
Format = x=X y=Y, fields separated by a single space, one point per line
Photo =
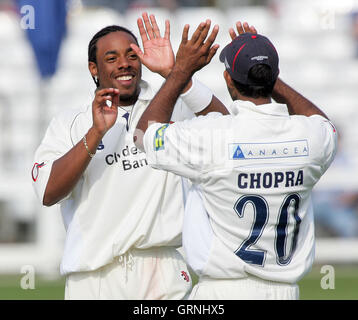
x=104 y=117
x=158 y=55
x=241 y=28
x=197 y=52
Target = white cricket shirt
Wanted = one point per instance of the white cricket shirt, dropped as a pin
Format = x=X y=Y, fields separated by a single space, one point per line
x=120 y=202
x=254 y=172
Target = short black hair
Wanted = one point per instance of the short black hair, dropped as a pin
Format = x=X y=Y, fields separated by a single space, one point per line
x=92 y=47
x=261 y=76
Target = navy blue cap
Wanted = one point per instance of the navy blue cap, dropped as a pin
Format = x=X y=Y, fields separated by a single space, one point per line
x=245 y=51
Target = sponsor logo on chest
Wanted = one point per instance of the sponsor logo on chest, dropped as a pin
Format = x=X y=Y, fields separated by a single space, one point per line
x=130 y=157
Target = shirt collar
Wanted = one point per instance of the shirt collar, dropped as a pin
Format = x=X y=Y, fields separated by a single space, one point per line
x=240 y=107
x=146 y=92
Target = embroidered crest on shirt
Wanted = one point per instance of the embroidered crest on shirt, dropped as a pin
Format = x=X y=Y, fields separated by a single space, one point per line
x=159 y=138
x=35 y=170
x=185 y=276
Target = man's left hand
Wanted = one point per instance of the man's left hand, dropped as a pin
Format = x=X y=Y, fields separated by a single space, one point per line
x=158 y=55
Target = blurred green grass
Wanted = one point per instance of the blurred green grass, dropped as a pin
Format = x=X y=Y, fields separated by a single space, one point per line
x=346 y=286
x=45 y=289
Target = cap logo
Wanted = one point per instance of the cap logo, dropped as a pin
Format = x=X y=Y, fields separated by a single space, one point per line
x=227 y=66
x=259 y=58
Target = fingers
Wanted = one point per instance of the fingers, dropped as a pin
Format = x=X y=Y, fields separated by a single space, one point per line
x=148 y=26
x=241 y=29
x=107 y=94
x=212 y=53
x=137 y=51
x=212 y=36
x=201 y=34
x=232 y=33
x=167 y=30
x=149 y=29
x=198 y=31
x=197 y=52
x=205 y=31
x=184 y=37
x=105 y=101
x=105 y=91
x=155 y=26
x=142 y=32
x=248 y=28
x=253 y=29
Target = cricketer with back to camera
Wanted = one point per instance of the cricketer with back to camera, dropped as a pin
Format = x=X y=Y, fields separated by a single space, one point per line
x=248 y=226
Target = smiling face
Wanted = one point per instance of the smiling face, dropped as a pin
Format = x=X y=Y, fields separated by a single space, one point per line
x=118 y=66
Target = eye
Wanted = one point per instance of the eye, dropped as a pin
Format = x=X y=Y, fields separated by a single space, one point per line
x=111 y=59
x=133 y=56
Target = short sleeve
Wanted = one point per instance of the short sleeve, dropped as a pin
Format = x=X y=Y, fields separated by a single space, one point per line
x=181 y=112
x=54 y=145
x=179 y=147
x=327 y=134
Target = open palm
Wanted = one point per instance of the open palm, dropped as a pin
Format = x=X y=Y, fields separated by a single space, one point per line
x=158 y=55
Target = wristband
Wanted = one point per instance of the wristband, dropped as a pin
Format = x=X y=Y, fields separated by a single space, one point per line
x=86 y=146
x=198 y=97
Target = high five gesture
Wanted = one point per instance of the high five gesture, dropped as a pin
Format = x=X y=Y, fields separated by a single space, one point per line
x=158 y=55
x=197 y=52
x=193 y=54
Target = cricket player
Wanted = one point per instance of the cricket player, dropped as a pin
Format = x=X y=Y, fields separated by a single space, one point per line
x=248 y=229
x=123 y=219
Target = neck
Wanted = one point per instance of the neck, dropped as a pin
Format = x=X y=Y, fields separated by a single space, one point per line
x=257 y=101
x=129 y=100
x=126 y=103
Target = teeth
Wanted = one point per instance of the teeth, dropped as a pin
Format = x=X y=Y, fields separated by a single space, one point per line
x=124 y=78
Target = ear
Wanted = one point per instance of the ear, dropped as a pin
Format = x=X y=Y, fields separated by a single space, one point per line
x=92 y=67
x=228 y=80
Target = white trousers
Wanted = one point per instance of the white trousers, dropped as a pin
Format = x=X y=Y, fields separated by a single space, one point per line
x=251 y=288
x=152 y=274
